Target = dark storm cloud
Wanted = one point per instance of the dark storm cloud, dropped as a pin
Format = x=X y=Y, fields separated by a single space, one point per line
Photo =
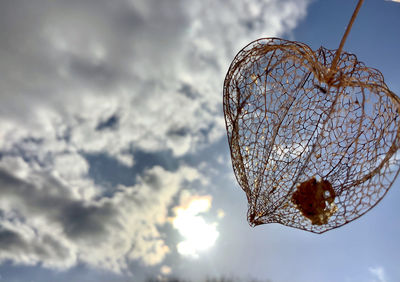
x=51 y=246
x=17 y=188
x=13 y=242
x=10 y=240
x=85 y=222
x=53 y=201
x=97 y=74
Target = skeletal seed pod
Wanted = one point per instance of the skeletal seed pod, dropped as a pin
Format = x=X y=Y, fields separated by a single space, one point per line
x=294 y=115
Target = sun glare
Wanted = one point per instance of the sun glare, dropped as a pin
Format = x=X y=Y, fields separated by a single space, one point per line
x=199 y=235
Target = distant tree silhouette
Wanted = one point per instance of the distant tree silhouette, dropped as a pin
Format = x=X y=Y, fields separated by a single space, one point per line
x=208 y=279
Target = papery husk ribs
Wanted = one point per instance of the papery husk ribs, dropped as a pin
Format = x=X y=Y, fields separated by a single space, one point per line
x=306 y=124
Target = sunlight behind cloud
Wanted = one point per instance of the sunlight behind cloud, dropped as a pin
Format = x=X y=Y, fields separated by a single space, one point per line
x=82 y=148
x=165 y=270
x=199 y=235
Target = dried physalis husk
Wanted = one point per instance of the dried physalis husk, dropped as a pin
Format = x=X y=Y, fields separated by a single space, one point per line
x=292 y=118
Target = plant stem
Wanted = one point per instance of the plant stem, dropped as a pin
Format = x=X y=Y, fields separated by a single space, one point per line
x=346 y=33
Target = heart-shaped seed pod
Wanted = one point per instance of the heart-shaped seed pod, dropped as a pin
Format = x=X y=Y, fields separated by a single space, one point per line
x=313 y=146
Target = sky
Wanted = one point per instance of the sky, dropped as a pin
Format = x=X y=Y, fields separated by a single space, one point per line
x=114 y=160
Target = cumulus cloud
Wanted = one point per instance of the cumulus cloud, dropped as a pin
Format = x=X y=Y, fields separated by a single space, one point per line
x=152 y=70
x=44 y=222
x=87 y=77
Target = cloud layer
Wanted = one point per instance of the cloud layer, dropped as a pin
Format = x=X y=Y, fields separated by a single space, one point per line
x=44 y=222
x=90 y=77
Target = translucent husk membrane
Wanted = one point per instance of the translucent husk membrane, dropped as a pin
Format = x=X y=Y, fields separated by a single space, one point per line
x=313 y=146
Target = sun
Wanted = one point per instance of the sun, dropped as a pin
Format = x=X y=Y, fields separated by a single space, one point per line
x=198 y=234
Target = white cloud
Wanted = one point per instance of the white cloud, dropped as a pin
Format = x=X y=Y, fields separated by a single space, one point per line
x=140 y=75
x=378 y=273
x=165 y=270
x=141 y=61
x=44 y=223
